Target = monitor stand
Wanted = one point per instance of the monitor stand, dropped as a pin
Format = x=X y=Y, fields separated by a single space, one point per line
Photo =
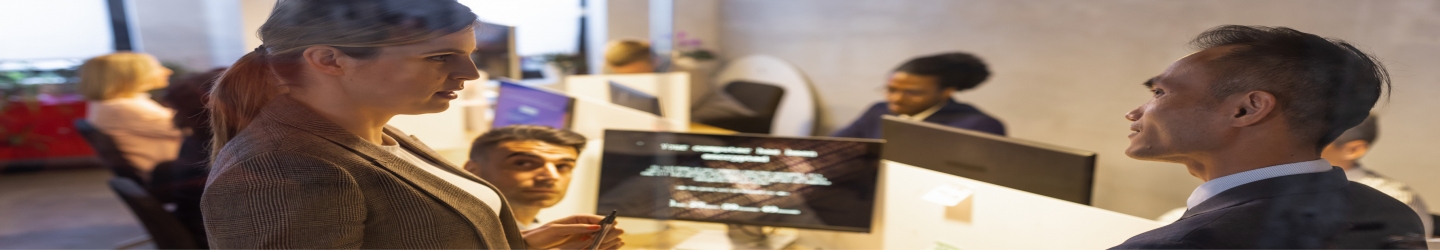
x=737 y=237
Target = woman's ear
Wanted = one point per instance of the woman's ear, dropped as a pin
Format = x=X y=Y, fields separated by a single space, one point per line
x=324 y=59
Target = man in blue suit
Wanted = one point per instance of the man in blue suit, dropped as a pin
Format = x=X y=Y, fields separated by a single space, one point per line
x=1249 y=114
x=921 y=90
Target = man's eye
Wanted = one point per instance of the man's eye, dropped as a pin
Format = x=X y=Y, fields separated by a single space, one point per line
x=440 y=58
x=1157 y=92
x=524 y=164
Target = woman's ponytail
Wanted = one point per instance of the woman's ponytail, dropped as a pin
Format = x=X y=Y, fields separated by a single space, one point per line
x=238 y=96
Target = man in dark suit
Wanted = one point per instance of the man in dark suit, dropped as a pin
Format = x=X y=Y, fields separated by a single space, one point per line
x=921 y=89
x=1249 y=115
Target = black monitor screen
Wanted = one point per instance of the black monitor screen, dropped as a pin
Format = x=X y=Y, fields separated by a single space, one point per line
x=632 y=98
x=809 y=183
x=1049 y=170
x=519 y=104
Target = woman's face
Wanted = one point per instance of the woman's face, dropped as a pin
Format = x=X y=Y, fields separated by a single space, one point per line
x=414 y=78
x=158 y=78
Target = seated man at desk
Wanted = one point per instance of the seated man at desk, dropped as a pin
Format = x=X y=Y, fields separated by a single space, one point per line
x=1354 y=144
x=921 y=89
x=1249 y=114
x=528 y=164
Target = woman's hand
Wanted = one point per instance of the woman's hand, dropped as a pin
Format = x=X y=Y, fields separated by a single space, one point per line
x=572 y=232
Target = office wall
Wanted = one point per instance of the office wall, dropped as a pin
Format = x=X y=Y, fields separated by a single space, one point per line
x=1065 y=72
x=197 y=34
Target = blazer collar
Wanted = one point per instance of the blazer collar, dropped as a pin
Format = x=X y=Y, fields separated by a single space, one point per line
x=1279 y=186
x=293 y=113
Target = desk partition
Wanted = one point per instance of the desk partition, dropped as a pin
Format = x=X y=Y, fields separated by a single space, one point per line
x=924 y=209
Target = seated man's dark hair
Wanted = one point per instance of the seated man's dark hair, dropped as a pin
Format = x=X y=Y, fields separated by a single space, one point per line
x=959 y=70
x=1368 y=131
x=1322 y=86
x=487 y=141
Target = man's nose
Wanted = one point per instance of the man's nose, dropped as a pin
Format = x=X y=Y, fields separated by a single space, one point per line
x=551 y=172
x=1134 y=115
x=893 y=96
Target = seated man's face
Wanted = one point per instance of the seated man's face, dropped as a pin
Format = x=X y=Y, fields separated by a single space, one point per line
x=909 y=94
x=528 y=173
x=1180 y=119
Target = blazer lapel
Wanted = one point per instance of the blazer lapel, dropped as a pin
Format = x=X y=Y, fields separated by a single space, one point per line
x=293 y=113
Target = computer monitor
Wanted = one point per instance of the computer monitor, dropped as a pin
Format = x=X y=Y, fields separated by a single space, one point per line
x=635 y=99
x=812 y=183
x=1049 y=170
x=520 y=104
x=495 y=51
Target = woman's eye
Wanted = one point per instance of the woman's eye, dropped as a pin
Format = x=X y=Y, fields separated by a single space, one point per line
x=440 y=58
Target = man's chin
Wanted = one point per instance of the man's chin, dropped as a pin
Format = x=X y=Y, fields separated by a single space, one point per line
x=537 y=201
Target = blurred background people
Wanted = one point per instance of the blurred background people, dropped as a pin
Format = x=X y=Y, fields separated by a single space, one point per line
x=922 y=89
x=1354 y=144
x=117 y=86
x=629 y=56
x=529 y=164
x=184 y=179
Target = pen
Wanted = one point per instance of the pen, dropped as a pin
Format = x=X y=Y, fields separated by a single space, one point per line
x=605 y=226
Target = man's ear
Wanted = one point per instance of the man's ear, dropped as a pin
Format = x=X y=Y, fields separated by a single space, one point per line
x=1354 y=150
x=325 y=59
x=1251 y=108
x=472 y=167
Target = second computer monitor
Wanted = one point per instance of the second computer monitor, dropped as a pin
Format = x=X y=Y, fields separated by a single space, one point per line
x=815 y=183
x=1054 y=171
x=633 y=98
x=520 y=104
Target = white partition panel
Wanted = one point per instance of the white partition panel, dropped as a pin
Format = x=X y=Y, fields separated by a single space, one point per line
x=673 y=89
x=911 y=214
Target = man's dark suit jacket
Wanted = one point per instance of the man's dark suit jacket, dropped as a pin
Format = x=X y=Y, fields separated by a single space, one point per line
x=953 y=114
x=1304 y=211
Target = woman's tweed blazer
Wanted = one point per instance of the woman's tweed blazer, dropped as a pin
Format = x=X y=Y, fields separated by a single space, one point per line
x=293 y=179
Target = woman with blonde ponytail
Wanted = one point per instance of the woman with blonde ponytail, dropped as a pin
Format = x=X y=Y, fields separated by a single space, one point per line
x=302 y=155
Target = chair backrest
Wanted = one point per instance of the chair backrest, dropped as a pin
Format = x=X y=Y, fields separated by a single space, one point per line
x=163 y=227
x=798 y=111
x=762 y=98
x=108 y=151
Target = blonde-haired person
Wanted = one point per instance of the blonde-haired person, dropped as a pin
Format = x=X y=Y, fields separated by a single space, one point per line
x=116 y=86
x=304 y=158
x=628 y=56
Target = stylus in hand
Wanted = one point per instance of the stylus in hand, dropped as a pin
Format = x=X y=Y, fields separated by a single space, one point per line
x=599 y=236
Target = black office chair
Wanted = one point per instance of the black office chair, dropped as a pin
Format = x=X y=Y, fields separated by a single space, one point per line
x=165 y=230
x=1435 y=229
x=112 y=158
x=109 y=152
x=762 y=98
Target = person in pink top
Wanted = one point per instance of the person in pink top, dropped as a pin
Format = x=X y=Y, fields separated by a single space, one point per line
x=116 y=87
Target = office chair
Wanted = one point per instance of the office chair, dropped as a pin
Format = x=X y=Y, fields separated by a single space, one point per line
x=109 y=152
x=1435 y=229
x=762 y=98
x=165 y=230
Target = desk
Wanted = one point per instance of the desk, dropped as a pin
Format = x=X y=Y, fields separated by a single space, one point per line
x=707 y=129
x=673 y=233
